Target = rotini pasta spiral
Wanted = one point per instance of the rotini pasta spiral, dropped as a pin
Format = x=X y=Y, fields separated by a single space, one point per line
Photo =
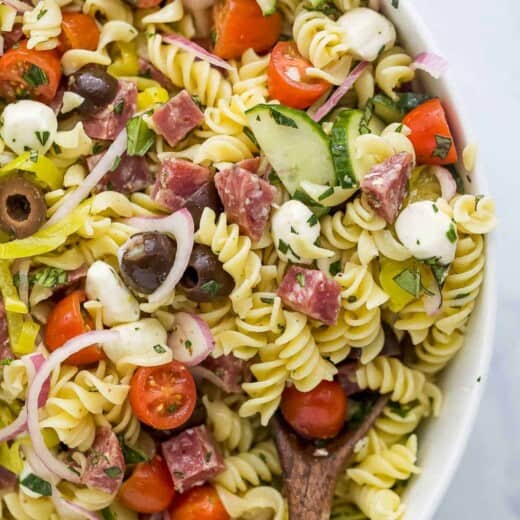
x=43 y=25
x=392 y=70
x=109 y=9
x=474 y=214
x=23 y=507
x=414 y=320
x=376 y=503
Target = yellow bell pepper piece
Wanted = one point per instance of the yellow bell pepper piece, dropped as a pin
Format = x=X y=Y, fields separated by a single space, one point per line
x=46 y=239
x=27 y=338
x=127 y=62
x=42 y=167
x=15 y=305
x=10 y=457
x=399 y=298
x=151 y=96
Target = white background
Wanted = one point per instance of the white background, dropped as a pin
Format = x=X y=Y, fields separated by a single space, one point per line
x=481 y=40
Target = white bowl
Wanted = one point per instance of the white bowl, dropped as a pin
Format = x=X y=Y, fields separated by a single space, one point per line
x=443 y=440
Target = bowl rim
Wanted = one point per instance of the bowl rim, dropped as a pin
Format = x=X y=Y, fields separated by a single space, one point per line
x=488 y=299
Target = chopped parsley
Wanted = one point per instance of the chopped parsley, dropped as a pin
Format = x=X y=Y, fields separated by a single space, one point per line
x=113 y=472
x=402 y=410
x=395 y=4
x=410 y=281
x=251 y=136
x=281 y=119
x=35 y=77
x=442 y=146
x=119 y=107
x=159 y=349
x=284 y=248
x=212 y=287
x=41 y=14
x=267 y=299
x=460 y=296
x=33 y=156
x=478 y=198
x=294 y=231
x=312 y=220
x=172 y=408
x=178 y=474
x=352 y=298
x=115 y=164
x=140 y=137
x=49 y=277
x=208 y=456
x=131 y=455
x=188 y=345
x=42 y=136
x=452 y=234
x=367 y=116
x=479 y=379
x=300 y=278
x=327 y=193
x=435 y=208
x=37 y=485
x=6 y=362
x=57 y=149
x=335 y=268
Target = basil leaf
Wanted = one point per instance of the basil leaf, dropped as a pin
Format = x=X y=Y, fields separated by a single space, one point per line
x=34 y=76
x=267 y=299
x=312 y=220
x=49 y=277
x=283 y=120
x=140 y=137
x=335 y=268
x=327 y=193
x=367 y=115
x=159 y=349
x=410 y=281
x=442 y=146
x=42 y=136
x=113 y=472
x=212 y=287
x=131 y=455
x=37 y=485
x=300 y=278
x=452 y=234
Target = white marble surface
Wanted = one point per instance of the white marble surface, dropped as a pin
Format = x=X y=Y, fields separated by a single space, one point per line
x=481 y=39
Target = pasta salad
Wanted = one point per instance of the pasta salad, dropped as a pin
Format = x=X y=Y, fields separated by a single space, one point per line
x=236 y=252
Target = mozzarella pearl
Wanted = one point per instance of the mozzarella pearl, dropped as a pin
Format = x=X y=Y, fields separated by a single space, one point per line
x=367 y=33
x=104 y=285
x=427 y=232
x=28 y=125
x=293 y=219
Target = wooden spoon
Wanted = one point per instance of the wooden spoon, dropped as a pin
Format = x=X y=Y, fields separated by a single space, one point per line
x=310 y=474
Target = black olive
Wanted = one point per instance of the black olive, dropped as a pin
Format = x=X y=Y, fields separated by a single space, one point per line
x=147 y=260
x=22 y=207
x=205 y=279
x=205 y=197
x=96 y=85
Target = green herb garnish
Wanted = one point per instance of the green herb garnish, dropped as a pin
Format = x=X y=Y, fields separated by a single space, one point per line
x=410 y=281
x=140 y=137
x=442 y=146
x=281 y=119
x=37 y=485
x=34 y=76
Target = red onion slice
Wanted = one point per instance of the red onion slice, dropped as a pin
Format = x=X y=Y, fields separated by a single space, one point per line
x=115 y=150
x=21 y=7
x=64 y=506
x=199 y=373
x=74 y=345
x=340 y=92
x=446 y=181
x=199 y=51
x=180 y=225
x=191 y=341
x=432 y=302
x=431 y=63
x=17 y=427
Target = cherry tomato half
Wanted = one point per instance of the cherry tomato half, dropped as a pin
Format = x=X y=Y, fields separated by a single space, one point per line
x=78 y=31
x=318 y=414
x=431 y=135
x=240 y=25
x=164 y=396
x=150 y=487
x=28 y=73
x=199 y=503
x=287 y=78
x=65 y=321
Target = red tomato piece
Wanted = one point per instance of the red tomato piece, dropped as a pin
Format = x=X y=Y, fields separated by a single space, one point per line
x=150 y=487
x=66 y=321
x=27 y=73
x=164 y=396
x=240 y=25
x=318 y=414
x=78 y=31
x=287 y=78
x=431 y=135
x=199 y=503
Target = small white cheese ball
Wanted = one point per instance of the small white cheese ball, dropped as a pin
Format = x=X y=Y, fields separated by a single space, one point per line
x=367 y=33
x=141 y=343
x=104 y=285
x=28 y=125
x=427 y=232
x=293 y=219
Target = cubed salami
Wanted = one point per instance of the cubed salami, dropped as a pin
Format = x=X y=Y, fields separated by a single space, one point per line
x=347 y=379
x=12 y=37
x=105 y=467
x=132 y=174
x=247 y=199
x=177 y=181
x=192 y=458
x=230 y=370
x=250 y=165
x=385 y=185
x=177 y=118
x=311 y=292
x=5 y=346
x=108 y=123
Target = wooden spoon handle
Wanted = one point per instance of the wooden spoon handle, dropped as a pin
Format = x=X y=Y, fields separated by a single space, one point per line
x=310 y=474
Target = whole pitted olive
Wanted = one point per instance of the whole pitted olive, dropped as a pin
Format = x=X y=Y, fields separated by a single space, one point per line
x=22 y=207
x=96 y=85
x=205 y=279
x=145 y=261
x=205 y=197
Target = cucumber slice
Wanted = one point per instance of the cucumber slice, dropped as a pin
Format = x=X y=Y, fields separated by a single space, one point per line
x=296 y=146
x=394 y=111
x=268 y=6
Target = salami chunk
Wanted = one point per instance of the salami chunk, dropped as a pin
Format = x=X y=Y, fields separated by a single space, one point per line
x=132 y=174
x=192 y=458
x=5 y=346
x=108 y=123
x=346 y=378
x=146 y=69
x=177 y=118
x=311 y=292
x=230 y=370
x=105 y=467
x=385 y=185
x=177 y=181
x=247 y=199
